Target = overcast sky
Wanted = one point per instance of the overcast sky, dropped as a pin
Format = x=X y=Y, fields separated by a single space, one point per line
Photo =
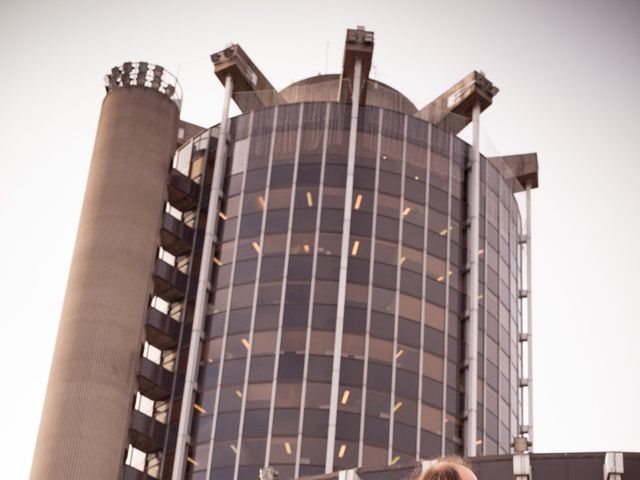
x=568 y=73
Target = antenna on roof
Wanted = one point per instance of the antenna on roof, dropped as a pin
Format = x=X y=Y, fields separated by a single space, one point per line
x=326 y=59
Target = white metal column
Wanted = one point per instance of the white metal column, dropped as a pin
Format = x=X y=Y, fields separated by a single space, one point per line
x=529 y=325
x=202 y=293
x=312 y=290
x=423 y=312
x=396 y=313
x=447 y=304
x=344 y=258
x=372 y=256
x=254 y=302
x=613 y=468
x=525 y=422
x=473 y=238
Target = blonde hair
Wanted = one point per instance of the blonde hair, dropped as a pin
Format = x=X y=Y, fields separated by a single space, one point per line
x=444 y=470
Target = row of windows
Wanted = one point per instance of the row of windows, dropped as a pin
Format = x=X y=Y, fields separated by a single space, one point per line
x=291 y=366
x=283 y=451
x=300 y=268
x=376 y=433
x=313 y=120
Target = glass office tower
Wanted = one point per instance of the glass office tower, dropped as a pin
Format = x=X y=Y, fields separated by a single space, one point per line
x=265 y=373
x=334 y=328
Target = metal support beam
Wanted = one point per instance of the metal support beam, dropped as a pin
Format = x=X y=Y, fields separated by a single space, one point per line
x=473 y=239
x=613 y=468
x=529 y=323
x=453 y=110
x=202 y=293
x=344 y=258
x=521 y=467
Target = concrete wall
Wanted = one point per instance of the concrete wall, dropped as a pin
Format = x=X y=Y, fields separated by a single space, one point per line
x=83 y=431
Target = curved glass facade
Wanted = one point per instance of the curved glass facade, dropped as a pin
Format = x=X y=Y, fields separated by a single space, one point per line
x=267 y=357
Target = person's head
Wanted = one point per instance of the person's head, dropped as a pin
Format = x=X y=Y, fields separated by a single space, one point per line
x=449 y=468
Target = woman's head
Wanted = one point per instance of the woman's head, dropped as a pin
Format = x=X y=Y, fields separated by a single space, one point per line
x=449 y=468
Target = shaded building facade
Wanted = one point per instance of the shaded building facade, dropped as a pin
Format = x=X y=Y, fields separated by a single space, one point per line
x=331 y=279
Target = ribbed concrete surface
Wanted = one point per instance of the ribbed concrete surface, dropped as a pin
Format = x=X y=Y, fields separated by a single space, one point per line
x=83 y=430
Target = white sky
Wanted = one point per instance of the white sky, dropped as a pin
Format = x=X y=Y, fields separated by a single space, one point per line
x=568 y=73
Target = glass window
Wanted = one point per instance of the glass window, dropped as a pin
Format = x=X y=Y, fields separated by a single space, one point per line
x=233 y=371
x=417 y=134
x=326 y=292
x=432 y=366
x=376 y=432
x=239 y=320
x=252 y=453
x=389 y=205
x=319 y=368
x=440 y=141
x=332 y=221
x=410 y=282
x=297 y=292
x=364 y=180
x=300 y=267
x=381 y=350
x=404 y=439
x=275 y=244
x=318 y=396
x=256 y=421
x=242 y=296
x=384 y=275
x=281 y=175
x=358 y=271
x=255 y=180
x=290 y=366
x=293 y=341
x=355 y=321
x=335 y=175
x=279 y=198
x=351 y=371
x=409 y=307
x=277 y=221
x=387 y=228
x=223 y=456
x=361 y=223
x=438 y=200
x=245 y=272
x=285 y=421
x=383 y=300
x=408 y=333
x=261 y=371
x=382 y=325
x=412 y=235
x=357 y=295
x=389 y=183
x=313 y=450
x=414 y=189
x=346 y=454
x=379 y=376
x=272 y=268
x=267 y=317
x=386 y=252
x=414 y=213
x=308 y=174
x=433 y=341
x=411 y=259
x=304 y=220
x=285 y=146
x=263 y=343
